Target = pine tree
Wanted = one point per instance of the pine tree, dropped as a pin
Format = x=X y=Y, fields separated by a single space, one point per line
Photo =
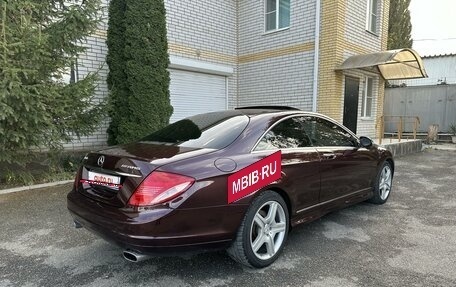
x=142 y=106
x=39 y=42
x=400 y=27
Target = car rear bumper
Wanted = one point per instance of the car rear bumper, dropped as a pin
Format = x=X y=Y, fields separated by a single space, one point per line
x=158 y=230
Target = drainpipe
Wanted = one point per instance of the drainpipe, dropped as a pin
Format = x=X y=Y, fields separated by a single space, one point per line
x=316 y=56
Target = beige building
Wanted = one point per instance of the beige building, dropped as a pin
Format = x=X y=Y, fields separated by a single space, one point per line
x=231 y=53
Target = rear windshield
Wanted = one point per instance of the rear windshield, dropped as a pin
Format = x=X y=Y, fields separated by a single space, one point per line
x=212 y=130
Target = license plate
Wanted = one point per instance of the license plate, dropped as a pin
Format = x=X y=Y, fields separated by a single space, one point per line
x=103 y=178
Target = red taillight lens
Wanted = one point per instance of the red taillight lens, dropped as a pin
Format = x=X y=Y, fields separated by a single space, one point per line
x=77 y=178
x=159 y=187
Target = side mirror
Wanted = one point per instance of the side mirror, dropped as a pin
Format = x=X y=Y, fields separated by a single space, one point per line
x=365 y=142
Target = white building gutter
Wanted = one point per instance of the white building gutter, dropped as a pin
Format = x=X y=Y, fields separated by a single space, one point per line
x=316 y=56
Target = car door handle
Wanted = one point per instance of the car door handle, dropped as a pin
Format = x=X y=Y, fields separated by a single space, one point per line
x=329 y=155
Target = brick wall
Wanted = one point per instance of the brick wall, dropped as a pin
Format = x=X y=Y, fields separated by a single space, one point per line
x=197 y=30
x=276 y=68
x=202 y=29
x=332 y=45
x=94 y=60
x=270 y=82
x=360 y=41
x=355 y=27
x=252 y=36
x=273 y=68
x=343 y=24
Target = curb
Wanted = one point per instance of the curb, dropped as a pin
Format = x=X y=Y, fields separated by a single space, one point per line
x=440 y=147
x=36 y=186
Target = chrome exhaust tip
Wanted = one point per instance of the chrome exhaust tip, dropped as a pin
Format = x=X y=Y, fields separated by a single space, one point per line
x=132 y=256
x=77 y=224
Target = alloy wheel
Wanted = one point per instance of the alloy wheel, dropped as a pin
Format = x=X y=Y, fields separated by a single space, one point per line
x=267 y=232
x=385 y=182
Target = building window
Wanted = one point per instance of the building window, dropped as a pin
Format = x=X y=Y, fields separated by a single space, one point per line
x=367 y=98
x=74 y=72
x=277 y=14
x=70 y=75
x=372 y=10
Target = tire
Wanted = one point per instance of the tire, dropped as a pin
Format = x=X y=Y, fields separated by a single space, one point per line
x=383 y=184
x=261 y=236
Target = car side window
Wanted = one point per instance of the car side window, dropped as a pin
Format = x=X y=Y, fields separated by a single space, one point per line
x=286 y=134
x=325 y=133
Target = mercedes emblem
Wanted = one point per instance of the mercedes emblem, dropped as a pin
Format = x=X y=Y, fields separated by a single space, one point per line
x=101 y=160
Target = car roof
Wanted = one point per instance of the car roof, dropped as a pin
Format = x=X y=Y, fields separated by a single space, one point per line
x=254 y=111
x=284 y=111
x=251 y=111
x=284 y=108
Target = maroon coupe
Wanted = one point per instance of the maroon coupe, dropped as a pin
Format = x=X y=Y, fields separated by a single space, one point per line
x=168 y=191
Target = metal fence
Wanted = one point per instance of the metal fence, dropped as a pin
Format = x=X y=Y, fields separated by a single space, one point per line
x=432 y=104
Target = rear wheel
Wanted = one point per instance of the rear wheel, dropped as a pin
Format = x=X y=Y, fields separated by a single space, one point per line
x=383 y=184
x=263 y=232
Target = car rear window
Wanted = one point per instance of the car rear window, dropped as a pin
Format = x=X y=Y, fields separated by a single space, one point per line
x=211 y=130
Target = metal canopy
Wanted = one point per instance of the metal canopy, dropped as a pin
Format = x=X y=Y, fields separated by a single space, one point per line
x=392 y=65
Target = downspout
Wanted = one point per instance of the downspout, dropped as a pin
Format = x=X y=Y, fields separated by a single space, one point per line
x=238 y=65
x=316 y=56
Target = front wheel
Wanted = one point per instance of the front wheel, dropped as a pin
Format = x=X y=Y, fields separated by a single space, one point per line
x=263 y=231
x=383 y=184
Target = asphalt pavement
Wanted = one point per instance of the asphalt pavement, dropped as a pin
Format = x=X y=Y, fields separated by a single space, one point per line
x=409 y=241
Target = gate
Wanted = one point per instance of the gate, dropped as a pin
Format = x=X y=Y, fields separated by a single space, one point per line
x=432 y=104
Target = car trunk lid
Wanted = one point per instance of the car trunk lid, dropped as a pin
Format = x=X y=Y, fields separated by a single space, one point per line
x=112 y=175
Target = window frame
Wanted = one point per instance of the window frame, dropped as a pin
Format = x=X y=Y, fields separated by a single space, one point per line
x=371 y=12
x=74 y=72
x=329 y=124
x=365 y=98
x=70 y=74
x=253 y=149
x=277 y=18
x=312 y=147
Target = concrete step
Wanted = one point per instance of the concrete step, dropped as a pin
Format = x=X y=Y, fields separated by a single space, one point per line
x=403 y=147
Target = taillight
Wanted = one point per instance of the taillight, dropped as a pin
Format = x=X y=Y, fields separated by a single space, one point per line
x=159 y=187
x=77 y=178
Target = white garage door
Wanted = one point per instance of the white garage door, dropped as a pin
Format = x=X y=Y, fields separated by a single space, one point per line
x=195 y=93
